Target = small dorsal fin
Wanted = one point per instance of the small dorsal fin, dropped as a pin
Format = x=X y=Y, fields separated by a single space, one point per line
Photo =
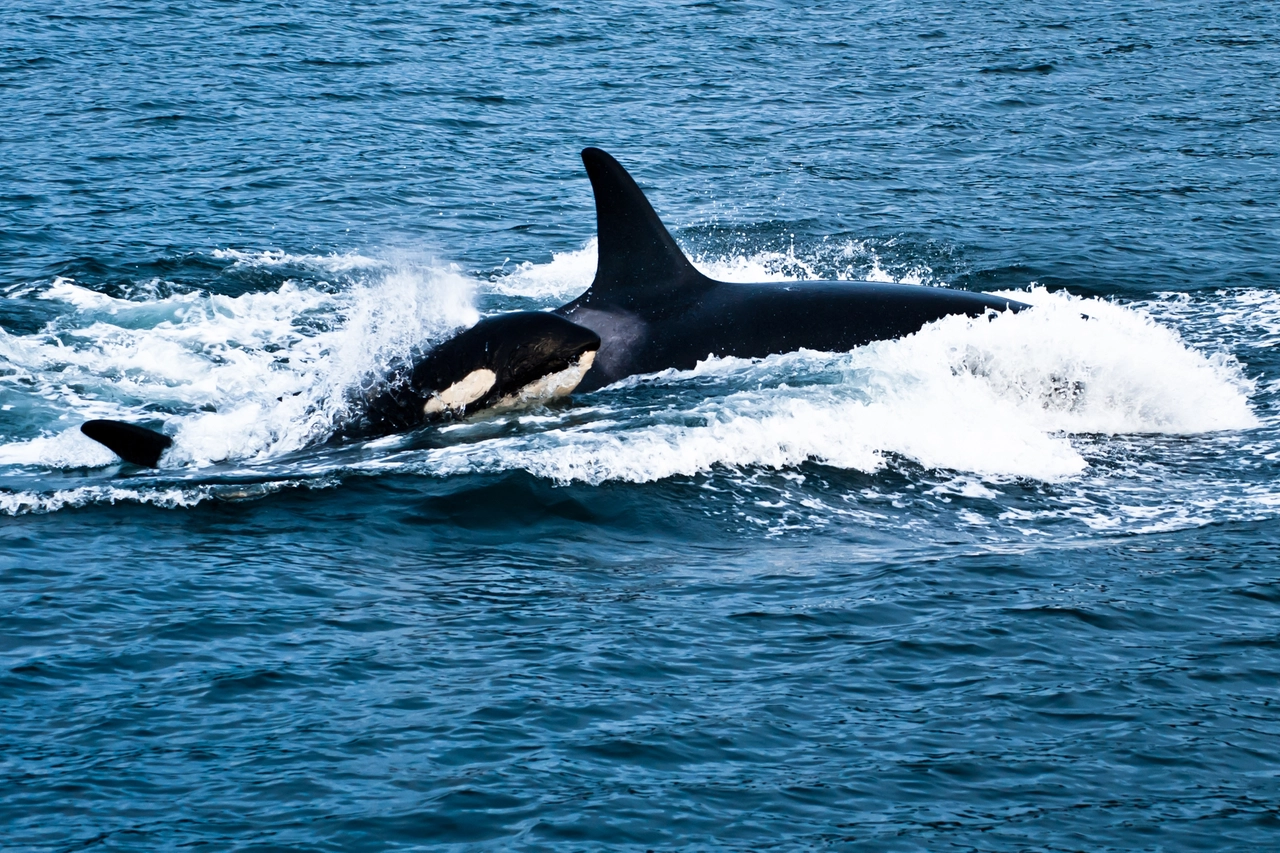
x=640 y=267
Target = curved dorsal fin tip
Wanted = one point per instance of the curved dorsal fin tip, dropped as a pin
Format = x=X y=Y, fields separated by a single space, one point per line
x=639 y=262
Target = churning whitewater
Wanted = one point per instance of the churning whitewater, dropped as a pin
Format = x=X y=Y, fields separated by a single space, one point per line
x=251 y=385
x=1008 y=583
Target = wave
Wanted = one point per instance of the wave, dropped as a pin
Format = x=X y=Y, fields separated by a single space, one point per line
x=248 y=380
x=243 y=377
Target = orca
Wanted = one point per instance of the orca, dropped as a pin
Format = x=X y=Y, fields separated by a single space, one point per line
x=653 y=310
x=648 y=309
x=502 y=362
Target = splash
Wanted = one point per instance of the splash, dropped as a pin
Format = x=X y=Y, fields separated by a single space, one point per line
x=569 y=274
x=566 y=276
x=332 y=263
x=995 y=397
x=241 y=377
x=249 y=379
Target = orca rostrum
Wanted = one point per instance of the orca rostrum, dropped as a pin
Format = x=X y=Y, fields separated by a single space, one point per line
x=653 y=310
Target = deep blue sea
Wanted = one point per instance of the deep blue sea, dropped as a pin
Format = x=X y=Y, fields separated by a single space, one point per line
x=1006 y=585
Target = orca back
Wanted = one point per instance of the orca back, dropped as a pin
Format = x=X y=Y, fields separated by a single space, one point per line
x=653 y=310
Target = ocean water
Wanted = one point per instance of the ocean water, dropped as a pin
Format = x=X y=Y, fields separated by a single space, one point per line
x=1001 y=585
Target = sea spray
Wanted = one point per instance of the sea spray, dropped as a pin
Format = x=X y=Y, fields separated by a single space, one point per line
x=250 y=379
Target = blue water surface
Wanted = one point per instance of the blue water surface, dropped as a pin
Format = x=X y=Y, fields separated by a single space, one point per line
x=790 y=604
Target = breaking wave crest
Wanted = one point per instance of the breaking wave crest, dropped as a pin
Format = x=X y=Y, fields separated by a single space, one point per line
x=997 y=397
x=248 y=380
x=243 y=377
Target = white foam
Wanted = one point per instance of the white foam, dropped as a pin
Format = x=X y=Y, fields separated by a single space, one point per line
x=333 y=262
x=774 y=430
x=995 y=397
x=1090 y=366
x=256 y=375
x=983 y=400
x=26 y=502
x=756 y=267
x=569 y=274
x=850 y=260
x=1245 y=317
x=67 y=449
x=566 y=276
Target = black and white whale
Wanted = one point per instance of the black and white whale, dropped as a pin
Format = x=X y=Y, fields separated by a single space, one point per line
x=504 y=361
x=653 y=310
x=648 y=309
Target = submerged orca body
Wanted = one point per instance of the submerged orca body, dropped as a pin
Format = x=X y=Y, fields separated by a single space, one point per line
x=653 y=310
x=504 y=361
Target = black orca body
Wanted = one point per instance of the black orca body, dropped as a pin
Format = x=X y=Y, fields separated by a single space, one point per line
x=647 y=310
x=504 y=361
x=653 y=310
x=501 y=362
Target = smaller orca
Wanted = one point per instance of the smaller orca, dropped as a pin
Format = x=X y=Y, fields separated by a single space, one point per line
x=502 y=362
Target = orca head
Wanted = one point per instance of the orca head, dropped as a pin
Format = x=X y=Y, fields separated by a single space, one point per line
x=506 y=360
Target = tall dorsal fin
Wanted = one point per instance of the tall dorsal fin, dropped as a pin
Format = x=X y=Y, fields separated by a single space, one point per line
x=640 y=267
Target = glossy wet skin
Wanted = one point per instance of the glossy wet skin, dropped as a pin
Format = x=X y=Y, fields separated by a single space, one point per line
x=653 y=310
x=504 y=359
x=756 y=320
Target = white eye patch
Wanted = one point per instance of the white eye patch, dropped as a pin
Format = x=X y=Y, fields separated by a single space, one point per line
x=462 y=393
